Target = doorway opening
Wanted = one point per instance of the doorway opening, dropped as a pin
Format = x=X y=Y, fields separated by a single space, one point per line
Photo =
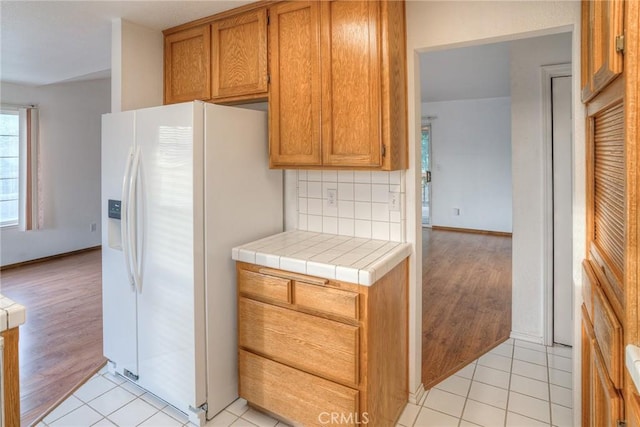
x=426 y=172
x=490 y=172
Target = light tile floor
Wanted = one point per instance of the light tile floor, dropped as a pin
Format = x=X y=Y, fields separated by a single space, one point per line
x=518 y=384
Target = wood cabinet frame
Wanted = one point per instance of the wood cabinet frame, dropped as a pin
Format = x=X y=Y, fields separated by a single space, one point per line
x=340 y=125
x=250 y=79
x=190 y=81
x=602 y=61
x=382 y=324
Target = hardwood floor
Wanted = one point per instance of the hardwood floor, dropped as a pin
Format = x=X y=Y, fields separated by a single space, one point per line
x=61 y=341
x=466 y=299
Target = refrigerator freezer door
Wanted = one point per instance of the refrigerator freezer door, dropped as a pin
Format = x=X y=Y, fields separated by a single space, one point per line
x=171 y=329
x=118 y=296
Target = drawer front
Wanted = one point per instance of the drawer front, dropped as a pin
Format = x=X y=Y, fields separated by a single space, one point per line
x=589 y=281
x=295 y=395
x=314 y=344
x=608 y=334
x=263 y=286
x=606 y=402
x=326 y=300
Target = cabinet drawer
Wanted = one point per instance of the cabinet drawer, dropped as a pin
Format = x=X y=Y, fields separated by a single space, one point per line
x=326 y=300
x=608 y=335
x=260 y=285
x=607 y=404
x=314 y=344
x=294 y=394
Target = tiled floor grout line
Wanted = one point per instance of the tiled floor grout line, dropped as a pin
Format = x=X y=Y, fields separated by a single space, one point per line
x=549 y=388
x=466 y=399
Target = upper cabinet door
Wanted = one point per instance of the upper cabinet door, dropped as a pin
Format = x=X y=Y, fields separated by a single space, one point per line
x=351 y=83
x=294 y=98
x=239 y=53
x=187 y=65
x=602 y=44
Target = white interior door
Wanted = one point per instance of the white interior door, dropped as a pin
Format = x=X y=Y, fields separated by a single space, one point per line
x=562 y=212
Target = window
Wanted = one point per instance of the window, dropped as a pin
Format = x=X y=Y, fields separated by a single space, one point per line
x=9 y=167
x=17 y=166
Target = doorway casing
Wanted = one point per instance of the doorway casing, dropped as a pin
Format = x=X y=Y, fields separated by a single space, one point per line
x=547 y=73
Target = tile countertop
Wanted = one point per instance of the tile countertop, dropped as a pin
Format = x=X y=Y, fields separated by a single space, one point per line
x=348 y=259
x=12 y=314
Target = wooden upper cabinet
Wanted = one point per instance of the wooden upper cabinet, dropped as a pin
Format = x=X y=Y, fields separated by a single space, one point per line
x=351 y=83
x=239 y=55
x=187 y=65
x=294 y=98
x=338 y=85
x=602 y=44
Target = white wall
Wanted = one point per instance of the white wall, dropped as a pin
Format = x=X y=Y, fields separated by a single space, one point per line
x=471 y=163
x=527 y=56
x=69 y=150
x=439 y=24
x=137 y=60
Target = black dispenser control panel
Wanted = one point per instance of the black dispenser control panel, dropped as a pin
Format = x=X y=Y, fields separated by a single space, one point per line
x=114 y=208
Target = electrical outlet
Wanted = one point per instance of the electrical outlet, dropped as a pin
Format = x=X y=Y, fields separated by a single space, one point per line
x=93 y=227
x=332 y=197
x=456 y=211
x=394 y=201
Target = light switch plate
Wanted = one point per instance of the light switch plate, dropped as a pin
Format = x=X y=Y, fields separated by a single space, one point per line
x=394 y=201
x=332 y=197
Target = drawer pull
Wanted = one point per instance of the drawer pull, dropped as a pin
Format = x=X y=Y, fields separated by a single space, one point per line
x=293 y=276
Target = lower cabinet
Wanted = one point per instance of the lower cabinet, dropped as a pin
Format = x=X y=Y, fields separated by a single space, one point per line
x=10 y=377
x=321 y=352
x=633 y=410
x=602 y=402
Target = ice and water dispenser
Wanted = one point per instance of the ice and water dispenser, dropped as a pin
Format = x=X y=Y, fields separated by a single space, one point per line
x=114 y=224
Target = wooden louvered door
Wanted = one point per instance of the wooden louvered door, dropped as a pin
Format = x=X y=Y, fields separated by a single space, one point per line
x=613 y=223
x=607 y=190
x=607 y=252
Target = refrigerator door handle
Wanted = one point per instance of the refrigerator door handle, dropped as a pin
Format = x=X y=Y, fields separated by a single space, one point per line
x=133 y=224
x=125 y=218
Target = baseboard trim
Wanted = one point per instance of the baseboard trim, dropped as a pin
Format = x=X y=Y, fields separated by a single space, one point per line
x=417 y=396
x=472 y=230
x=526 y=337
x=49 y=258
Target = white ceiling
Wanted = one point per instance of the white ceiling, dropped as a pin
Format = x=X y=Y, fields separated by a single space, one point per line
x=465 y=73
x=45 y=42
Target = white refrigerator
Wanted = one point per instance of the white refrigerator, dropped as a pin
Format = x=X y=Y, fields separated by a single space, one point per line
x=181 y=185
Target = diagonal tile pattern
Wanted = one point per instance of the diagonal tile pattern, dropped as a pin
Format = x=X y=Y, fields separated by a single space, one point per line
x=517 y=384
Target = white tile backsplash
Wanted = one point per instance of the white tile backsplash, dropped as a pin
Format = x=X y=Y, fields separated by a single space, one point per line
x=363 y=228
x=362 y=206
x=346 y=209
x=346 y=226
x=343 y=176
x=362 y=192
x=362 y=210
x=362 y=176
